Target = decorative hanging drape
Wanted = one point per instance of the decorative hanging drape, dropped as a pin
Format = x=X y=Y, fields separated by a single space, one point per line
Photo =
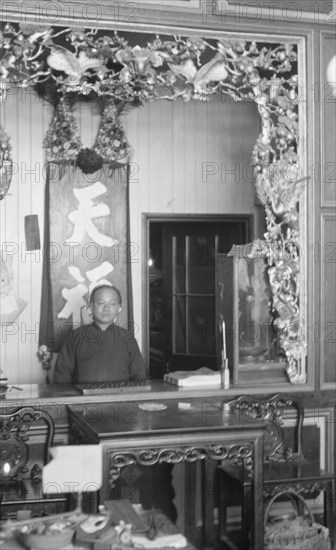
x=86 y=244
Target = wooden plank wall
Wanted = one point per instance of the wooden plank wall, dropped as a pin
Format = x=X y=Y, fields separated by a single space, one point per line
x=188 y=158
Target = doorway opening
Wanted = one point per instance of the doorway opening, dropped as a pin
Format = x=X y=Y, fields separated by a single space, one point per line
x=181 y=287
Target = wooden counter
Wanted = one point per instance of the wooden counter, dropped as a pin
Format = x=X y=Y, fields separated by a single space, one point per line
x=67 y=394
x=59 y=399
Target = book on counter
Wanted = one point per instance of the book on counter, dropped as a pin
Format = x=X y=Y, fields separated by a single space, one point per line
x=203 y=377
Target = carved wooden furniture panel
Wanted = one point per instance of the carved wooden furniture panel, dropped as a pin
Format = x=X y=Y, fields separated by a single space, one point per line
x=128 y=435
x=25 y=437
x=285 y=465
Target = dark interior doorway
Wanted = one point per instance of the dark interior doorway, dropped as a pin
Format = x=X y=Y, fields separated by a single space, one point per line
x=182 y=287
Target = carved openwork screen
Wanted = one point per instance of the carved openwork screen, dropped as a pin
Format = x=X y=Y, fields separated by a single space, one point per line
x=124 y=68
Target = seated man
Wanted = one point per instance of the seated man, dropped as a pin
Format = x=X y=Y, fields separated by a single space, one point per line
x=105 y=352
x=102 y=351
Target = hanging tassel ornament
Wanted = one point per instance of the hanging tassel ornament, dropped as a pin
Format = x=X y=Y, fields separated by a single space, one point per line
x=62 y=142
x=111 y=143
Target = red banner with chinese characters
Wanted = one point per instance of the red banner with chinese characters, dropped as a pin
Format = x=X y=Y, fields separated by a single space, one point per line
x=86 y=244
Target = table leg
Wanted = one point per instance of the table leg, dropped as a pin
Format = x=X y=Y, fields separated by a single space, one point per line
x=258 y=500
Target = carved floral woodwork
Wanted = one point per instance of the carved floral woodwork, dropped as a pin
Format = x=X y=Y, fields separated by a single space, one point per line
x=175 y=455
x=6 y=165
x=72 y=62
x=14 y=452
x=305 y=489
x=271 y=411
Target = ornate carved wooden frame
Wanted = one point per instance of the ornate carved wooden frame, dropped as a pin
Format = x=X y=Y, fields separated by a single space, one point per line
x=14 y=455
x=195 y=64
x=272 y=410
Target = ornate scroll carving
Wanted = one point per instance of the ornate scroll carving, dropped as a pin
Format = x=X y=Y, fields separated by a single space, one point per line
x=272 y=411
x=176 y=455
x=13 y=437
x=313 y=488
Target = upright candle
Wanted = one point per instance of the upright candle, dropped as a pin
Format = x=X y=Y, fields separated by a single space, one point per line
x=224 y=340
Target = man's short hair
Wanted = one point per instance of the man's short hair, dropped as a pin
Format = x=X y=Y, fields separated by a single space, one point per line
x=99 y=287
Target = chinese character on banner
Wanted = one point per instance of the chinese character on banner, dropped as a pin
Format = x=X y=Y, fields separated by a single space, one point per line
x=85 y=245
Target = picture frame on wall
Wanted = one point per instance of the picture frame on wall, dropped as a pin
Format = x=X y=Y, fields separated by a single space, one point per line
x=252 y=11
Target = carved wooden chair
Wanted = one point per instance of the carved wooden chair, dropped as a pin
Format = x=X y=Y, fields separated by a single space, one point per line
x=284 y=466
x=25 y=437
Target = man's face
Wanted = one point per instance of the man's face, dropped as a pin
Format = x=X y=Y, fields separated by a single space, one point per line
x=105 y=307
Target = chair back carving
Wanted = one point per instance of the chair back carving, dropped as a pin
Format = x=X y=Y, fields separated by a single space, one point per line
x=14 y=437
x=273 y=410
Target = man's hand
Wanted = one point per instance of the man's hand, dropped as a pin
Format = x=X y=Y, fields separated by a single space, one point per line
x=86 y=315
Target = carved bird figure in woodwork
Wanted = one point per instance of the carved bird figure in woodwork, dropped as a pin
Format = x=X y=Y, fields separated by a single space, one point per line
x=61 y=59
x=213 y=71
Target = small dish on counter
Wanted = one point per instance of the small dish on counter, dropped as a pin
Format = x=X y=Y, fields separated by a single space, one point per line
x=152 y=407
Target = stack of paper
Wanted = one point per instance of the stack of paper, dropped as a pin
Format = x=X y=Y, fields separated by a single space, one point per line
x=203 y=377
x=161 y=541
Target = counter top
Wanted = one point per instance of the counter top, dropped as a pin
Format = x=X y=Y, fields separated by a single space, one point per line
x=67 y=394
x=116 y=421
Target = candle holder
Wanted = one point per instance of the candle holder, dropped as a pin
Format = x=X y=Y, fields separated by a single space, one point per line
x=225 y=374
